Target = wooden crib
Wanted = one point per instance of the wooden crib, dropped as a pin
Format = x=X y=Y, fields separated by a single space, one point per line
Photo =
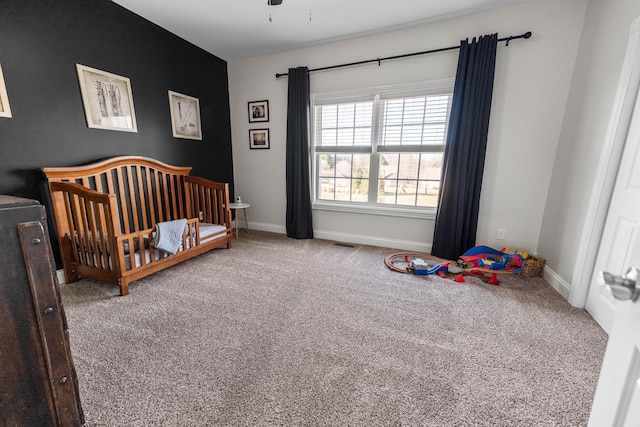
x=106 y=216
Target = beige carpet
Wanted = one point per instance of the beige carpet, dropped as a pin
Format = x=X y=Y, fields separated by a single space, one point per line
x=278 y=331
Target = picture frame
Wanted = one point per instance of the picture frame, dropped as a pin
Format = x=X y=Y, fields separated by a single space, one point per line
x=185 y=116
x=258 y=111
x=107 y=100
x=259 y=139
x=5 y=109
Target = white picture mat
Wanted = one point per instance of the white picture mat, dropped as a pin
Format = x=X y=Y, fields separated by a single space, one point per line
x=5 y=109
x=107 y=99
x=185 y=116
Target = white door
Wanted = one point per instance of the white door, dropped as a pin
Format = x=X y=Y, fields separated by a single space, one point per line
x=620 y=244
x=617 y=399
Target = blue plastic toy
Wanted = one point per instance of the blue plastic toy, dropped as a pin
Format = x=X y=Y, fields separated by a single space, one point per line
x=492 y=259
x=420 y=267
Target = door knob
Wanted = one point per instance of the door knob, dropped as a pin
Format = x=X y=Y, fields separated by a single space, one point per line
x=622 y=287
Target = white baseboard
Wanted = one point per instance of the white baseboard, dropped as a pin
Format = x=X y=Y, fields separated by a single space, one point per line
x=406 y=245
x=263 y=226
x=60 y=275
x=558 y=283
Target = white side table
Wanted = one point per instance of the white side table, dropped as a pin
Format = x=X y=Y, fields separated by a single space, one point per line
x=243 y=206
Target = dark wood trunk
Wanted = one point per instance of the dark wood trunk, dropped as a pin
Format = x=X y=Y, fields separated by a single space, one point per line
x=38 y=383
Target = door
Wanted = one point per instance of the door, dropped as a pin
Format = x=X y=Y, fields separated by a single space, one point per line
x=617 y=399
x=620 y=244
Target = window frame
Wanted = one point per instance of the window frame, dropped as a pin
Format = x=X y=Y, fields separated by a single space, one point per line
x=376 y=95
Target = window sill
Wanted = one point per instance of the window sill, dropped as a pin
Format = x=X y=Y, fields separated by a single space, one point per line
x=394 y=211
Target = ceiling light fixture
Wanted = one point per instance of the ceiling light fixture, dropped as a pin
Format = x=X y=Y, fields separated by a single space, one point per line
x=279 y=2
x=273 y=3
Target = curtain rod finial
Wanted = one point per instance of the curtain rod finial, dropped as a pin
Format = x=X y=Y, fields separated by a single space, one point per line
x=527 y=35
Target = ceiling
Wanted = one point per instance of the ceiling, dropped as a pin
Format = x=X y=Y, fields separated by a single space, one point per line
x=235 y=29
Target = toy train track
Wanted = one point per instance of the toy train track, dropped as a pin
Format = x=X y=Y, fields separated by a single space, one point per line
x=399 y=261
x=402 y=262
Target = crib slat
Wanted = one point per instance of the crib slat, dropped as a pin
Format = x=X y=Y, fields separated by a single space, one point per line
x=83 y=231
x=123 y=202
x=214 y=206
x=133 y=205
x=150 y=200
x=99 y=188
x=167 y=196
x=142 y=198
x=181 y=201
x=174 y=206
x=91 y=238
x=73 y=216
x=158 y=195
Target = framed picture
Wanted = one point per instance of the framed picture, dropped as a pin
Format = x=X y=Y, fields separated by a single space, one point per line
x=107 y=99
x=258 y=138
x=5 y=110
x=185 y=116
x=258 y=111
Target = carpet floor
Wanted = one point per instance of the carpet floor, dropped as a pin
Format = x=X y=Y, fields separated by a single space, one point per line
x=278 y=331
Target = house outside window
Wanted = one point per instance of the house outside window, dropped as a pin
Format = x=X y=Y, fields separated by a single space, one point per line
x=380 y=150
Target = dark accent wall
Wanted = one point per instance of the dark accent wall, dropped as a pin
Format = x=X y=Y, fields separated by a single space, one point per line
x=40 y=43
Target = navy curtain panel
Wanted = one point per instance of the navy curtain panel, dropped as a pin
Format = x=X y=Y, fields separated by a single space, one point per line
x=299 y=223
x=464 y=155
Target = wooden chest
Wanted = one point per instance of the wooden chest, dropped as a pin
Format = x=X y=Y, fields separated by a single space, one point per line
x=38 y=383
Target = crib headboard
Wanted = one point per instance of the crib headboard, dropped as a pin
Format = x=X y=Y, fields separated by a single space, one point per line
x=147 y=191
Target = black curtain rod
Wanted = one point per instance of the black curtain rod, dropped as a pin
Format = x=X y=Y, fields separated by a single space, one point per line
x=379 y=60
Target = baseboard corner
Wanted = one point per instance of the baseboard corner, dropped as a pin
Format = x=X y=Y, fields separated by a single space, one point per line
x=558 y=283
x=60 y=276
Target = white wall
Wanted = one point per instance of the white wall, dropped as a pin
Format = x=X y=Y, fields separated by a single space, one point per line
x=530 y=93
x=594 y=83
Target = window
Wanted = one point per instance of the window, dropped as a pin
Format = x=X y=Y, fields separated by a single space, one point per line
x=380 y=149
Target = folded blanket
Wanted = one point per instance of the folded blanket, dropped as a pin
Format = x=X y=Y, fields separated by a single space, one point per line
x=168 y=236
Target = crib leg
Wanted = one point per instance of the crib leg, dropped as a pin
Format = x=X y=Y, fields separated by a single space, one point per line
x=124 y=287
x=70 y=275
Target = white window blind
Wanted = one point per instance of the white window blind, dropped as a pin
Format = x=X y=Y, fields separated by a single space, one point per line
x=381 y=146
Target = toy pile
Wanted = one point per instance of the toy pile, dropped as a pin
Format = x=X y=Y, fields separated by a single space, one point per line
x=477 y=260
x=508 y=259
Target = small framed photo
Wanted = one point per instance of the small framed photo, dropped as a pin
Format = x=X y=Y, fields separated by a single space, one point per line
x=258 y=138
x=185 y=116
x=107 y=99
x=5 y=110
x=258 y=111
